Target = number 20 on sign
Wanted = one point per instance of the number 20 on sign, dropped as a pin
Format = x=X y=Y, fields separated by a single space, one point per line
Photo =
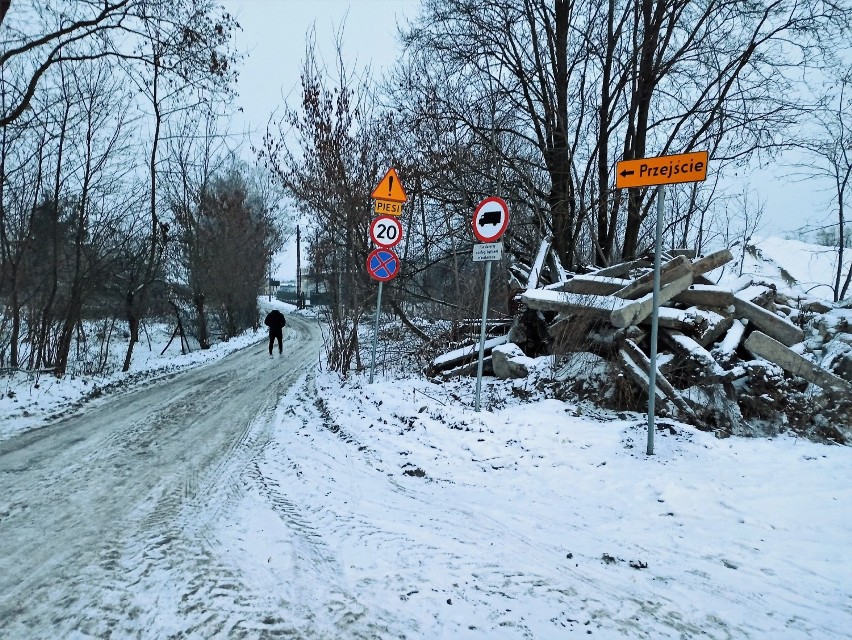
x=386 y=232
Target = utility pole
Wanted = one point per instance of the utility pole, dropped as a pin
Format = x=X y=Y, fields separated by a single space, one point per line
x=298 y=268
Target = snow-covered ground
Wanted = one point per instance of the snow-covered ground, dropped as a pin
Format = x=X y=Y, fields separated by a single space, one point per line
x=535 y=520
x=394 y=510
x=795 y=267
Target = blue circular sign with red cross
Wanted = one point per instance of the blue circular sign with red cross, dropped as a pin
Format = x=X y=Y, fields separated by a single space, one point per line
x=383 y=265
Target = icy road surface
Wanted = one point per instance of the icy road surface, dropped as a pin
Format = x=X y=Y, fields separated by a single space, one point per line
x=104 y=516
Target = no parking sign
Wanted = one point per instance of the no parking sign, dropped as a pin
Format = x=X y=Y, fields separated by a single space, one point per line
x=383 y=265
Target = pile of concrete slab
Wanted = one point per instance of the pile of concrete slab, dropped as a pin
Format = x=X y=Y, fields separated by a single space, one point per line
x=765 y=356
x=708 y=334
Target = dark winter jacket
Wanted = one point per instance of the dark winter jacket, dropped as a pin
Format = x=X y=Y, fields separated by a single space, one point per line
x=275 y=321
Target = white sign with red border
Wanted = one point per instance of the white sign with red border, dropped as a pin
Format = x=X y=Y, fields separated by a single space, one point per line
x=385 y=231
x=490 y=219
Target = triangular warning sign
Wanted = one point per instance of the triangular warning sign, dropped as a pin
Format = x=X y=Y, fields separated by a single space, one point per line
x=389 y=188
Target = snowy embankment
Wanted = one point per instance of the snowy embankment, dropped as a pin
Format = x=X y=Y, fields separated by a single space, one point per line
x=393 y=510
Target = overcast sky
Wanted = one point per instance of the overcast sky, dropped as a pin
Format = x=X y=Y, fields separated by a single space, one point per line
x=274 y=36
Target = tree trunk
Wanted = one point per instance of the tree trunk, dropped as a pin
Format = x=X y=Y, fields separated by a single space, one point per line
x=203 y=338
x=136 y=299
x=4 y=8
x=133 y=327
x=562 y=199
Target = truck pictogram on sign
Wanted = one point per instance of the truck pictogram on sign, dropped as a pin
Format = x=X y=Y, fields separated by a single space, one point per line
x=490 y=219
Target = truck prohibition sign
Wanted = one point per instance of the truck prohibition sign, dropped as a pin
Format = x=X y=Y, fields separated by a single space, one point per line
x=490 y=219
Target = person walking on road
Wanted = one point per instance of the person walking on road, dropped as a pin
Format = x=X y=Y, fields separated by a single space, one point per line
x=276 y=322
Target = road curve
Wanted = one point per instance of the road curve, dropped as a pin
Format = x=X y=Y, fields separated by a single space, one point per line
x=88 y=504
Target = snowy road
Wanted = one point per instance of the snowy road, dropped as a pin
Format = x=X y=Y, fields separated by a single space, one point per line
x=102 y=513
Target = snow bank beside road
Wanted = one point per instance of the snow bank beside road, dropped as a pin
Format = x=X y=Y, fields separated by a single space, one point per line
x=416 y=516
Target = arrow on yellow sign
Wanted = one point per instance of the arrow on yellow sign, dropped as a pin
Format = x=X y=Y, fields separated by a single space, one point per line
x=645 y=172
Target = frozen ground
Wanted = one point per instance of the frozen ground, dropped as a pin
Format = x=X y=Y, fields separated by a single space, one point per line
x=254 y=497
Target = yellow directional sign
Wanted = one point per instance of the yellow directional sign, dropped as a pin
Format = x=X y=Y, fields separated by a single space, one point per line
x=389 y=188
x=645 y=172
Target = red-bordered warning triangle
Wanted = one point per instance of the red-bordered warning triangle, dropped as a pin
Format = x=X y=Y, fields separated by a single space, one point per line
x=389 y=188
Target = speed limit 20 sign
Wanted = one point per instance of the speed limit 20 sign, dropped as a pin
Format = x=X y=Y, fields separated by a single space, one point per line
x=385 y=231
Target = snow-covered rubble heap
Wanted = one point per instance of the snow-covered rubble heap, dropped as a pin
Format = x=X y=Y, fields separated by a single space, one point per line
x=742 y=358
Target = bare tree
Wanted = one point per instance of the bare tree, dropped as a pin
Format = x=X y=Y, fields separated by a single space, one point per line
x=580 y=84
x=59 y=146
x=40 y=36
x=237 y=236
x=195 y=155
x=829 y=152
x=183 y=54
x=328 y=157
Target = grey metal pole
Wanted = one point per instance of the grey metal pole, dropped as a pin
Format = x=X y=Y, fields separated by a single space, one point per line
x=482 y=331
x=376 y=331
x=655 y=314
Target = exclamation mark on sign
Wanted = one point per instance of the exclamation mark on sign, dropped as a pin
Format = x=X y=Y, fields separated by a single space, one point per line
x=390 y=185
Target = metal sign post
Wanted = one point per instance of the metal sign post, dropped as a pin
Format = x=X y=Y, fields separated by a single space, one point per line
x=655 y=315
x=382 y=263
x=482 y=332
x=648 y=172
x=376 y=331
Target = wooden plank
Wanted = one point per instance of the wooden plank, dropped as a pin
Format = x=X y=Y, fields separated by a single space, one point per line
x=689 y=253
x=594 y=284
x=623 y=268
x=766 y=347
x=538 y=265
x=703 y=325
x=740 y=283
x=640 y=377
x=470 y=369
x=680 y=319
x=463 y=354
x=759 y=294
x=689 y=349
x=558 y=269
x=662 y=386
x=637 y=310
x=711 y=261
x=777 y=327
x=730 y=343
x=717 y=325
